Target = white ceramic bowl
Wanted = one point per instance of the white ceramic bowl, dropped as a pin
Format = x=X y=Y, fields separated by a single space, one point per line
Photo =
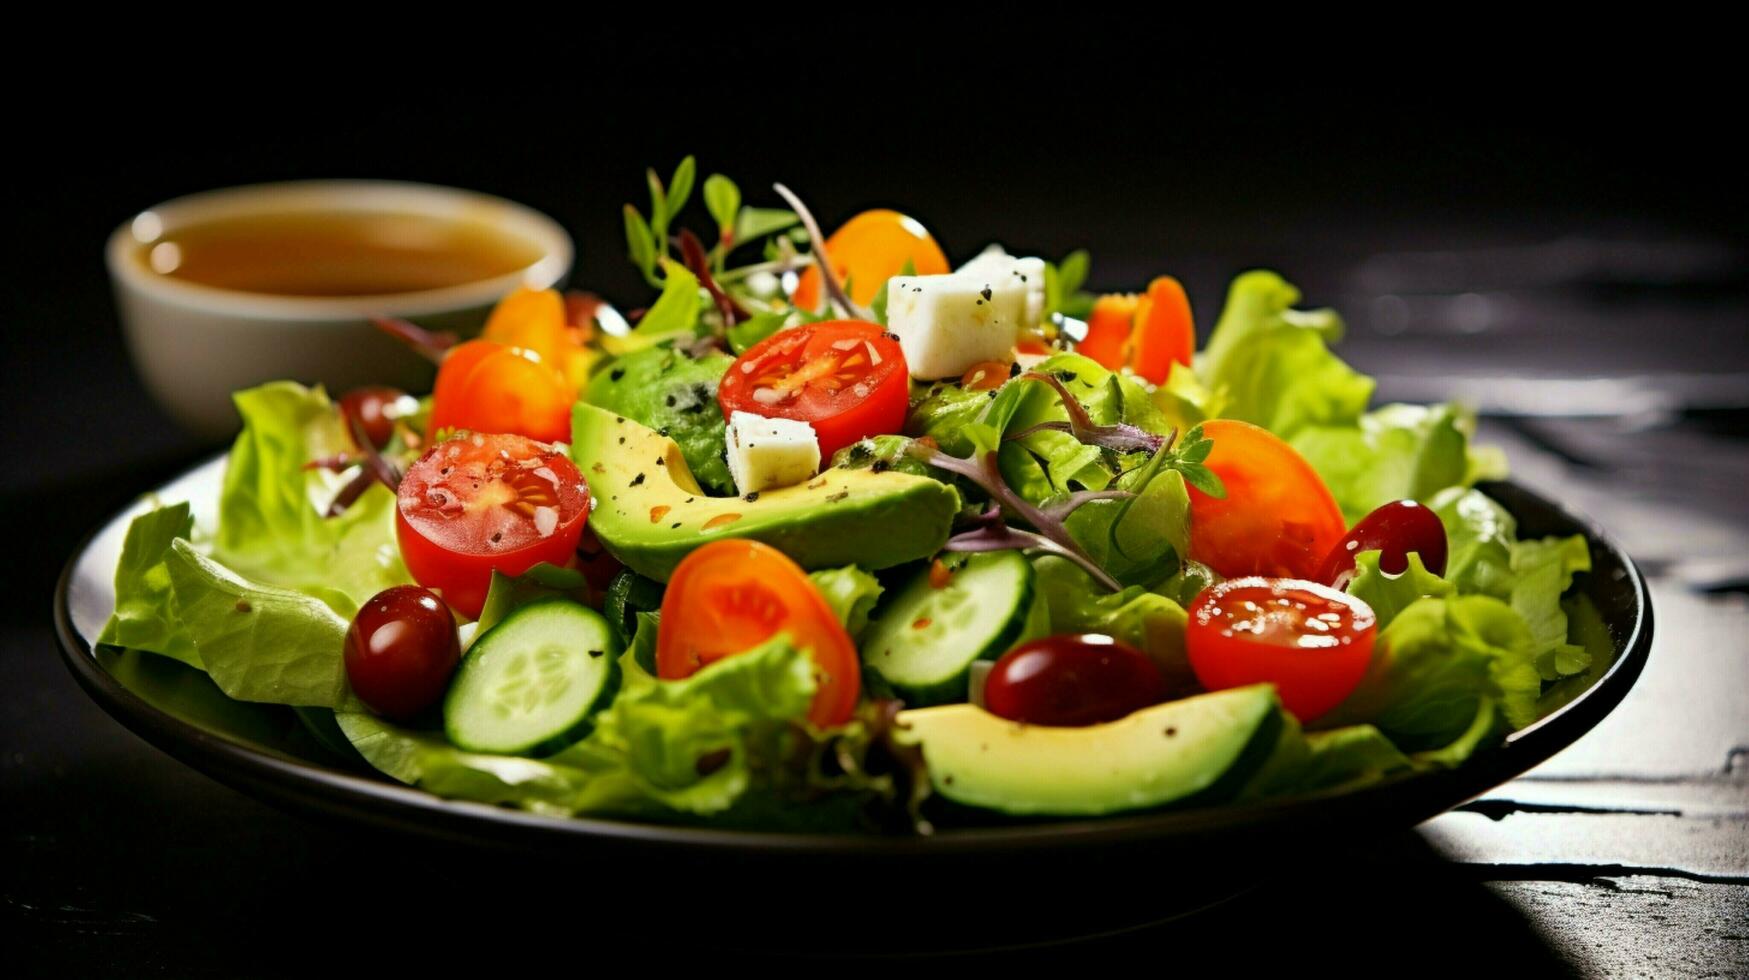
x=194 y=344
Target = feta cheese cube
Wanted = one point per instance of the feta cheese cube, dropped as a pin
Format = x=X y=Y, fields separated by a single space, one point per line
x=766 y=453
x=994 y=262
x=947 y=323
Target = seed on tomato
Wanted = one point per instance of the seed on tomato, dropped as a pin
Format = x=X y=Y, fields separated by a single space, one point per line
x=1394 y=530
x=1309 y=640
x=400 y=651
x=1071 y=681
x=475 y=504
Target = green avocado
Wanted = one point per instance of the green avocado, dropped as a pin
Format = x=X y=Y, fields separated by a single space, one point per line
x=649 y=513
x=668 y=391
x=1163 y=754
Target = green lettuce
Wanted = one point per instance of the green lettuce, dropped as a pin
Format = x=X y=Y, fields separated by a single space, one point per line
x=1440 y=666
x=1398 y=452
x=259 y=642
x=1333 y=760
x=1389 y=594
x=143 y=618
x=852 y=594
x=272 y=527
x=1271 y=364
x=1479 y=536
x=661 y=749
x=1543 y=570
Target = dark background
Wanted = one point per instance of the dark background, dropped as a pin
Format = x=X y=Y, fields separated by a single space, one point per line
x=1487 y=217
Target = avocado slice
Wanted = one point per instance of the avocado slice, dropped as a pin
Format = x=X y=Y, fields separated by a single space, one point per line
x=649 y=512
x=1152 y=757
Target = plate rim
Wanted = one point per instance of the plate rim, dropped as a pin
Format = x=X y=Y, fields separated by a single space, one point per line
x=283 y=781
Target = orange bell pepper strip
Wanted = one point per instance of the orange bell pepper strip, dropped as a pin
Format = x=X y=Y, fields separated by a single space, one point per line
x=1164 y=331
x=1108 y=329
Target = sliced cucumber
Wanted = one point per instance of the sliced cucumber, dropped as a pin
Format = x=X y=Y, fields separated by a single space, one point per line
x=531 y=683
x=925 y=641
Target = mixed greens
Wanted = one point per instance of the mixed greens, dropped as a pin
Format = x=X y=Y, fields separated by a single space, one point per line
x=1031 y=531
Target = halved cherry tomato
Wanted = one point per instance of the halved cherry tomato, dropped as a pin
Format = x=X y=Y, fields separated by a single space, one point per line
x=1147 y=333
x=846 y=378
x=731 y=595
x=1311 y=641
x=867 y=251
x=479 y=503
x=484 y=386
x=1394 y=530
x=1277 y=517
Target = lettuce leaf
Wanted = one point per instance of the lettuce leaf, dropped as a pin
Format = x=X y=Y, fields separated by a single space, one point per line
x=1397 y=452
x=143 y=618
x=272 y=526
x=1543 y=571
x=852 y=594
x=1271 y=364
x=1389 y=594
x=661 y=749
x=1440 y=666
x=259 y=642
x=1479 y=536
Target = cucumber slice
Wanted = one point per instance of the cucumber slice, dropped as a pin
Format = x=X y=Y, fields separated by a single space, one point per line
x=925 y=641
x=531 y=683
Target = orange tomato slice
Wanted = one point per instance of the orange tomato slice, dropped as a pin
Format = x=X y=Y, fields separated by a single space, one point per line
x=732 y=595
x=1277 y=519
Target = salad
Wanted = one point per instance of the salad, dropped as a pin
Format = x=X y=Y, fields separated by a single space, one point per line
x=838 y=534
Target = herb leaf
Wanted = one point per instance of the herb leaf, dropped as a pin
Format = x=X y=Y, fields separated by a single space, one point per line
x=722 y=199
x=680 y=186
x=640 y=243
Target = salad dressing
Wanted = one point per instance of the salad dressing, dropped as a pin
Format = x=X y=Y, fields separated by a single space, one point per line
x=337 y=253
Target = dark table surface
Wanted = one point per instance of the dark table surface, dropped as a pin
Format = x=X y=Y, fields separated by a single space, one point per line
x=1610 y=357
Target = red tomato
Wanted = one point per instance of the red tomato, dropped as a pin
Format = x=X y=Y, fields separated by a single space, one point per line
x=400 y=651
x=846 y=378
x=868 y=250
x=731 y=595
x=1312 y=642
x=1277 y=517
x=1394 y=530
x=483 y=386
x=1072 y=681
x=476 y=503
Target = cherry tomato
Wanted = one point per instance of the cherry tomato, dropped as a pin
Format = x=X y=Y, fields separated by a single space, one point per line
x=376 y=408
x=1072 y=681
x=1309 y=640
x=477 y=503
x=400 y=651
x=1277 y=517
x=731 y=595
x=868 y=250
x=1394 y=530
x=483 y=386
x=846 y=378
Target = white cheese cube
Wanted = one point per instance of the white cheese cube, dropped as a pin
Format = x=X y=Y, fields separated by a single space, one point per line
x=994 y=262
x=766 y=453
x=946 y=324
